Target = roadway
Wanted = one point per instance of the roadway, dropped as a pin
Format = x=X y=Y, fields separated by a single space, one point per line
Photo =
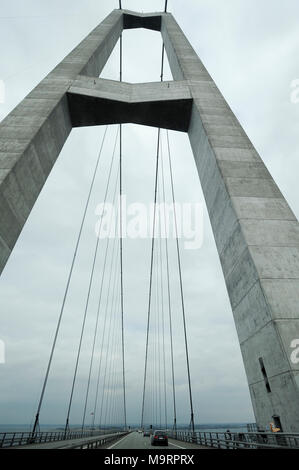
x=135 y=440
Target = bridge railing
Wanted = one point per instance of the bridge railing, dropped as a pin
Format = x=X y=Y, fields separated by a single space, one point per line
x=99 y=442
x=13 y=439
x=249 y=440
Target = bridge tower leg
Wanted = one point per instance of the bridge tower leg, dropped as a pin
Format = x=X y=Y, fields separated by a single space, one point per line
x=256 y=233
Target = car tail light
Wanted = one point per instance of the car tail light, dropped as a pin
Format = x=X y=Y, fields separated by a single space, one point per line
x=155 y=437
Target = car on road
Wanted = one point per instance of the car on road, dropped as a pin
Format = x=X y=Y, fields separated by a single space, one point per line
x=146 y=433
x=159 y=437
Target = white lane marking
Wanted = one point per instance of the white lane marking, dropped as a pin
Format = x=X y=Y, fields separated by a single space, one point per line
x=175 y=445
x=118 y=442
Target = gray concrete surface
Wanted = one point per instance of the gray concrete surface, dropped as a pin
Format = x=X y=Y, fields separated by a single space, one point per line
x=256 y=233
x=135 y=440
x=97 y=101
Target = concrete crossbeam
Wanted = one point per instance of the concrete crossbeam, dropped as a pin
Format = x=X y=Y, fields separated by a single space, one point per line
x=142 y=20
x=97 y=102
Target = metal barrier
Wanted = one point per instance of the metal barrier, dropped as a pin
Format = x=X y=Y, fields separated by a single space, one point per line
x=13 y=439
x=230 y=440
x=252 y=427
x=95 y=444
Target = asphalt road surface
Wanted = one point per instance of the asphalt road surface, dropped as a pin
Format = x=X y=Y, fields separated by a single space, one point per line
x=135 y=440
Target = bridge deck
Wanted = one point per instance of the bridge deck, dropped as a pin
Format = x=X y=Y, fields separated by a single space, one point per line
x=136 y=440
x=133 y=440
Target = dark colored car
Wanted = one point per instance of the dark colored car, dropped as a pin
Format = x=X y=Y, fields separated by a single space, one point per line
x=159 y=437
x=146 y=433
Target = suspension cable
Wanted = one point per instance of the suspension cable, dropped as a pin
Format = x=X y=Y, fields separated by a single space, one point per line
x=165 y=9
x=120 y=7
x=151 y=276
x=113 y=350
x=36 y=423
x=162 y=303
x=104 y=328
x=158 y=326
x=181 y=287
x=98 y=311
x=113 y=399
x=100 y=298
x=152 y=250
x=95 y=336
x=152 y=384
x=169 y=296
x=114 y=403
x=154 y=330
x=121 y=245
x=167 y=259
x=88 y=296
x=156 y=354
x=114 y=286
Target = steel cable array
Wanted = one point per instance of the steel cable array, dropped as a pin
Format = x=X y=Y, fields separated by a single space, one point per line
x=107 y=353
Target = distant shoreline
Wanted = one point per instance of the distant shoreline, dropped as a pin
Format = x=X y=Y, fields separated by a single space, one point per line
x=208 y=427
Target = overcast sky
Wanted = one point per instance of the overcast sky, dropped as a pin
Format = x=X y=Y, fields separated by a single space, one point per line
x=250 y=48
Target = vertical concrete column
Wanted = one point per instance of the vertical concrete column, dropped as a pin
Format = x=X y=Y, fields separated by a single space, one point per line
x=256 y=234
x=33 y=134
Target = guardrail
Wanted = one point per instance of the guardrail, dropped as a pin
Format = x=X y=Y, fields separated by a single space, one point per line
x=244 y=440
x=13 y=439
x=95 y=444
